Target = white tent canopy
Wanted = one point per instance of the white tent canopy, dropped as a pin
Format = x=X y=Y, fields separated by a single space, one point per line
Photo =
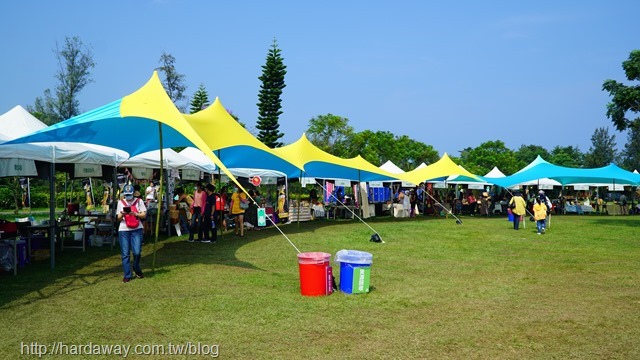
x=198 y=157
x=495 y=173
x=19 y=122
x=171 y=160
x=389 y=166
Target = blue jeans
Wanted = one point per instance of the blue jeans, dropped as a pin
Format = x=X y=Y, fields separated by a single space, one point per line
x=516 y=221
x=130 y=241
x=196 y=224
x=540 y=224
x=184 y=223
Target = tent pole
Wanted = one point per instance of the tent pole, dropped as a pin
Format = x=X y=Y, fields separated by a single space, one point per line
x=358 y=195
x=221 y=216
x=52 y=213
x=29 y=194
x=155 y=240
x=299 y=197
x=93 y=200
x=354 y=214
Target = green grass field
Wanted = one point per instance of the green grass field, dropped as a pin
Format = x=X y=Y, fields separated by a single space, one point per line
x=439 y=291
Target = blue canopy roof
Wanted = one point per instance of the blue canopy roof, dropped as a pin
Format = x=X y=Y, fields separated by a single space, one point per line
x=540 y=168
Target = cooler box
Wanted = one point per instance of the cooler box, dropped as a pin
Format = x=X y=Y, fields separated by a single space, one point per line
x=315 y=273
x=355 y=271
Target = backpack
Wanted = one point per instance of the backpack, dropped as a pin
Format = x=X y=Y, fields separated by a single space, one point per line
x=129 y=219
x=219 y=203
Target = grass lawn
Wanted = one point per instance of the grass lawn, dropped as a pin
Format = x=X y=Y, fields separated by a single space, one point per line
x=439 y=291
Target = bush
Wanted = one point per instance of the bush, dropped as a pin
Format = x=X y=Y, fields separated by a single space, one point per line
x=39 y=199
x=6 y=198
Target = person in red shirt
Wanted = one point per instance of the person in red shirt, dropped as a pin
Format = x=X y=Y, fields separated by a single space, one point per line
x=471 y=200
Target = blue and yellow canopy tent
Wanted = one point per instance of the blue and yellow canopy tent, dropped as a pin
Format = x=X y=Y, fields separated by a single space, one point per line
x=131 y=124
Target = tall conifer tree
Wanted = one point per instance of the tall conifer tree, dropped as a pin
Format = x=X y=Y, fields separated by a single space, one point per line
x=200 y=99
x=269 y=104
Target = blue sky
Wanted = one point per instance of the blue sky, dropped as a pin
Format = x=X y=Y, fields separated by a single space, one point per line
x=449 y=74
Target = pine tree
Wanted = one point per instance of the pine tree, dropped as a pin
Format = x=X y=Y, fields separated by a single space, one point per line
x=269 y=104
x=200 y=99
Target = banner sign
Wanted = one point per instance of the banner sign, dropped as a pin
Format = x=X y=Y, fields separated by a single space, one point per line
x=375 y=184
x=87 y=170
x=190 y=174
x=270 y=180
x=343 y=182
x=17 y=167
x=304 y=181
x=440 y=185
x=142 y=173
x=476 y=186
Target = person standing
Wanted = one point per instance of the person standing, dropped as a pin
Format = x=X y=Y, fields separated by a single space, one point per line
x=540 y=214
x=208 y=219
x=313 y=195
x=471 y=200
x=130 y=212
x=545 y=200
x=150 y=192
x=199 y=200
x=623 y=204
x=420 y=197
x=237 y=210
x=518 y=208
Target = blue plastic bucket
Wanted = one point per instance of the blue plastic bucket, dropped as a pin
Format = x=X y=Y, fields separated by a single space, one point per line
x=355 y=270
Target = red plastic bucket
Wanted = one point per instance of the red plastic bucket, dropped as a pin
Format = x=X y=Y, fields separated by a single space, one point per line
x=315 y=273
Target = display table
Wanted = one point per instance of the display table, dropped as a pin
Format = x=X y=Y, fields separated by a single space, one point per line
x=304 y=213
x=59 y=228
x=578 y=209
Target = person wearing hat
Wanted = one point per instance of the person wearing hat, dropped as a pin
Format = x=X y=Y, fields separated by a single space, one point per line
x=128 y=211
x=548 y=204
x=518 y=208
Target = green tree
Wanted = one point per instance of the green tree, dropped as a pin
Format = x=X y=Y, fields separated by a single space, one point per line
x=527 y=153
x=631 y=152
x=269 y=102
x=200 y=99
x=602 y=151
x=380 y=146
x=375 y=147
x=410 y=153
x=625 y=98
x=75 y=62
x=173 y=81
x=329 y=132
x=568 y=156
x=482 y=159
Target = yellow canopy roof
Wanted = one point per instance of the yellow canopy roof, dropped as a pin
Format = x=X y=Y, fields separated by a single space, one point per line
x=152 y=101
x=234 y=144
x=441 y=168
x=318 y=163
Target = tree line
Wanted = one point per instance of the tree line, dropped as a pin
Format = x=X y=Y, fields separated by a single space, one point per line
x=333 y=134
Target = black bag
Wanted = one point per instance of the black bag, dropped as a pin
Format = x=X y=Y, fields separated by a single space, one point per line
x=512 y=205
x=375 y=238
x=531 y=218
